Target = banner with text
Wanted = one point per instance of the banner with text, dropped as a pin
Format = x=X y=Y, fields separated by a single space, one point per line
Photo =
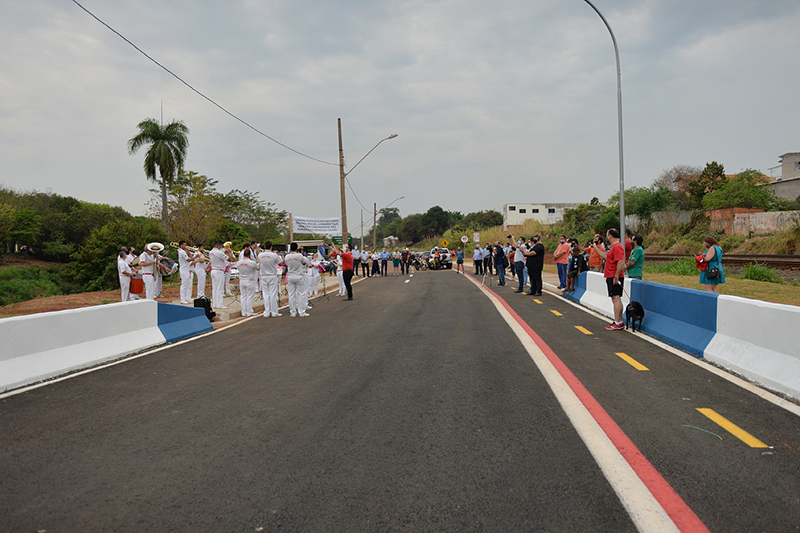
x=318 y=226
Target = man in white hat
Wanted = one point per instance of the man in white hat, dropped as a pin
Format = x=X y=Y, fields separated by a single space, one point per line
x=147 y=262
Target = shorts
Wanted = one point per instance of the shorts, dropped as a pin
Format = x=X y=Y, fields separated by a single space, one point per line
x=572 y=274
x=614 y=290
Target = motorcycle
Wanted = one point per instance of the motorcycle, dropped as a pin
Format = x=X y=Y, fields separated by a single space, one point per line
x=419 y=264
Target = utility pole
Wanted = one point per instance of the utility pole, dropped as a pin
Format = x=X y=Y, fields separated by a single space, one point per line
x=374 y=226
x=341 y=180
x=362 y=229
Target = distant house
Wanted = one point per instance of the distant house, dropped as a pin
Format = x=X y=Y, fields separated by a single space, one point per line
x=517 y=214
x=788 y=184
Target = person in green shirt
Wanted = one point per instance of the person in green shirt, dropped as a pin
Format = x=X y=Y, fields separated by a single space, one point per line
x=636 y=261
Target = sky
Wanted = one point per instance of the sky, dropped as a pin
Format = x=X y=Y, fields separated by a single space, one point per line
x=498 y=102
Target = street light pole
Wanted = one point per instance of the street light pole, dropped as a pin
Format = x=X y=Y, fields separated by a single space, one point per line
x=343 y=175
x=619 y=121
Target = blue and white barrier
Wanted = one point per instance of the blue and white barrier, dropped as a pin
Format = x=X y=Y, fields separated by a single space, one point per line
x=756 y=339
x=44 y=345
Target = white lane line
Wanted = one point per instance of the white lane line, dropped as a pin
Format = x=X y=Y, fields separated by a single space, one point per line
x=406 y=281
x=646 y=513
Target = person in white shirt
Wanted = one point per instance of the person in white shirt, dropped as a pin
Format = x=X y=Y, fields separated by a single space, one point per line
x=270 y=279
x=340 y=275
x=185 y=269
x=219 y=261
x=296 y=265
x=315 y=262
x=231 y=260
x=248 y=275
x=199 y=263
x=125 y=274
x=147 y=263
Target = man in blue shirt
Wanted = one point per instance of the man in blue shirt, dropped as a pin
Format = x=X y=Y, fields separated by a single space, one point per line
x=477 y=260
x=384 y=263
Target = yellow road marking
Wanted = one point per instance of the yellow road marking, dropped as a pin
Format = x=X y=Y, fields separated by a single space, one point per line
x=556 y=312
x=733 y=429
x=583 y=330
x=537 y=301
x=631 y=361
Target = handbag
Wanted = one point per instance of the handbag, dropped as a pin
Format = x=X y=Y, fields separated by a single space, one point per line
x=713 y=273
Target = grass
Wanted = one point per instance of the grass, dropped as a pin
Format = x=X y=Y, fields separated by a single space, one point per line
x=22 y=283
x=745 y=288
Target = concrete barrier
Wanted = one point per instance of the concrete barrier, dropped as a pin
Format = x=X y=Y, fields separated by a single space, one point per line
x=44 y=345
x=759 y=340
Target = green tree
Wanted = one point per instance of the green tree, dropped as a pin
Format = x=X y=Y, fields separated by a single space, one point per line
x=167 y=151
x=677 y=180
x=26 y=227
x=482 y=220
x=434 y=222
x=6 y=224
x=409 y=230
x=710 y=179
x=743 y=190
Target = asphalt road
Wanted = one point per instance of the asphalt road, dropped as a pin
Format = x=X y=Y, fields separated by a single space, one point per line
x=412 y=408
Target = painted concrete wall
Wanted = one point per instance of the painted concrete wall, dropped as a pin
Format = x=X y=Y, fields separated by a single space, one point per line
x=771 y=222
x=44 y=345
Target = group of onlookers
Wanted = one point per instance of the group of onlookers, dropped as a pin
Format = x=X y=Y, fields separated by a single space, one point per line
x=379 y=261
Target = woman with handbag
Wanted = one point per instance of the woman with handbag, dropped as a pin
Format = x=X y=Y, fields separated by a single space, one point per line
x=713 y=275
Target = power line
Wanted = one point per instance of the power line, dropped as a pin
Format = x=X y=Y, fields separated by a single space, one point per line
x=198 y=92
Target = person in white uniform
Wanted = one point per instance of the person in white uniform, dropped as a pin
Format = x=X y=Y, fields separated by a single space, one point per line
x=147 y=263
x=231 y=260
x=185 y=269
x=219 y=261
x=125 y=274
x=270 y=279
x=296 y=265
x=340 y=275
x=315 y=262
x=199 y=263
x=248 y=277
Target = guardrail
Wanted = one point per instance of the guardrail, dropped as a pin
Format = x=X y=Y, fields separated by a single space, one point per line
x=756 y=339
x=45 y=345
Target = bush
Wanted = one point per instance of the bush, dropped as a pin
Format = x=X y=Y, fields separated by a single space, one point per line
x=19 y=284
x=759 y=272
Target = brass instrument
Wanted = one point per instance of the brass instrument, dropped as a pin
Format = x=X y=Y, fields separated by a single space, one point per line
x=193 y=249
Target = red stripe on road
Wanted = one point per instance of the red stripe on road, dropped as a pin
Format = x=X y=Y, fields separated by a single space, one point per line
x=680 y=513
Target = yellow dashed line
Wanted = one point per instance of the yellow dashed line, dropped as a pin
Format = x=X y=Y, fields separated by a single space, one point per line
x=583 y=330
x=556 y=312
x=631 y=361
x=537 y=301
x=733 y=429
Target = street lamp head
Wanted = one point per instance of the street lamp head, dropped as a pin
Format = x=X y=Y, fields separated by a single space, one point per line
x=392 y=136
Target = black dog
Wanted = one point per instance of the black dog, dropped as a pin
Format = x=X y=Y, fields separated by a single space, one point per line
x=634 y=312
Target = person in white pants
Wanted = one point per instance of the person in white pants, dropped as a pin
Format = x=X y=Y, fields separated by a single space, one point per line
x=185 y=269
x=315 y=275
x=270 y=279
x=248 y=279
x=200 y=262
x=147 y=262
x=219 y=260
x=296 y=265
x=125 y=274
x=231 y=261
x=340 y=276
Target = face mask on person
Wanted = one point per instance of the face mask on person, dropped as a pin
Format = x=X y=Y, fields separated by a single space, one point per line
x=561 y=241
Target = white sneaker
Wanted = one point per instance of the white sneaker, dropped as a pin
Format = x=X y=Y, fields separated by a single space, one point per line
x=303 y=314
x=279 y=314
x=293 y=315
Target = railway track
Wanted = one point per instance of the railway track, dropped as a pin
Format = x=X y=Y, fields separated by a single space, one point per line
x=780 y=262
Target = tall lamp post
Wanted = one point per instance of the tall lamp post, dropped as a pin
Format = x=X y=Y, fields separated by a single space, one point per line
x=343 y=175
x=375 y=219
x=619 y=120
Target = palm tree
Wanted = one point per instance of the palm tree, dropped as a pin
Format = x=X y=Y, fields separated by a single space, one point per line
x=167 y=152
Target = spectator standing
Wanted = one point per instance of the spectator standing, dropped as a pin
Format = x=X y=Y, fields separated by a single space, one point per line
x=534 y=257
x=519 y=261
x=365 y=257
x=396 y=262
x=459 y=260
x=636 y=261
x=347 y=269
x=488 y=260
x=405 y=255
x=477 y=260
x=384 y=263
x=561 y=256
x=595 y=250
x=577 y=265
x=713 y=258
x=499 y=255
x=615 y=262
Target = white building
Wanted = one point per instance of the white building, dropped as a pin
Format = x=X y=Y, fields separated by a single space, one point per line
x=516 y=214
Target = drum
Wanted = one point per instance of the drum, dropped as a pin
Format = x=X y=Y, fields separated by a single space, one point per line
x=137 y=284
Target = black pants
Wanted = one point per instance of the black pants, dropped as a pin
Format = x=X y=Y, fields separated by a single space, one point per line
x=347 y=275
x=364 y=269
x=536 y=281
x=478 y=267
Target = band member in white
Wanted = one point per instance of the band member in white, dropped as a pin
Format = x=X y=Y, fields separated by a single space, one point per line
x=186 y=273
x=315 y=262
x=125 y=274
x=147 y=264
x=296 y=266
x=219 y=261
x=231 y=260
x=340 y=275
x=270 y=279
x=199 y=263
x=306 y=285
x=248 y=276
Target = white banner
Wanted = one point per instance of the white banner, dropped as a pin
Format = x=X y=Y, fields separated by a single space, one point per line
x=318 y=226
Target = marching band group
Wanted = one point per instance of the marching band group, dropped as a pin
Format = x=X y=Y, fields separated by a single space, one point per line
x=260 y=268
